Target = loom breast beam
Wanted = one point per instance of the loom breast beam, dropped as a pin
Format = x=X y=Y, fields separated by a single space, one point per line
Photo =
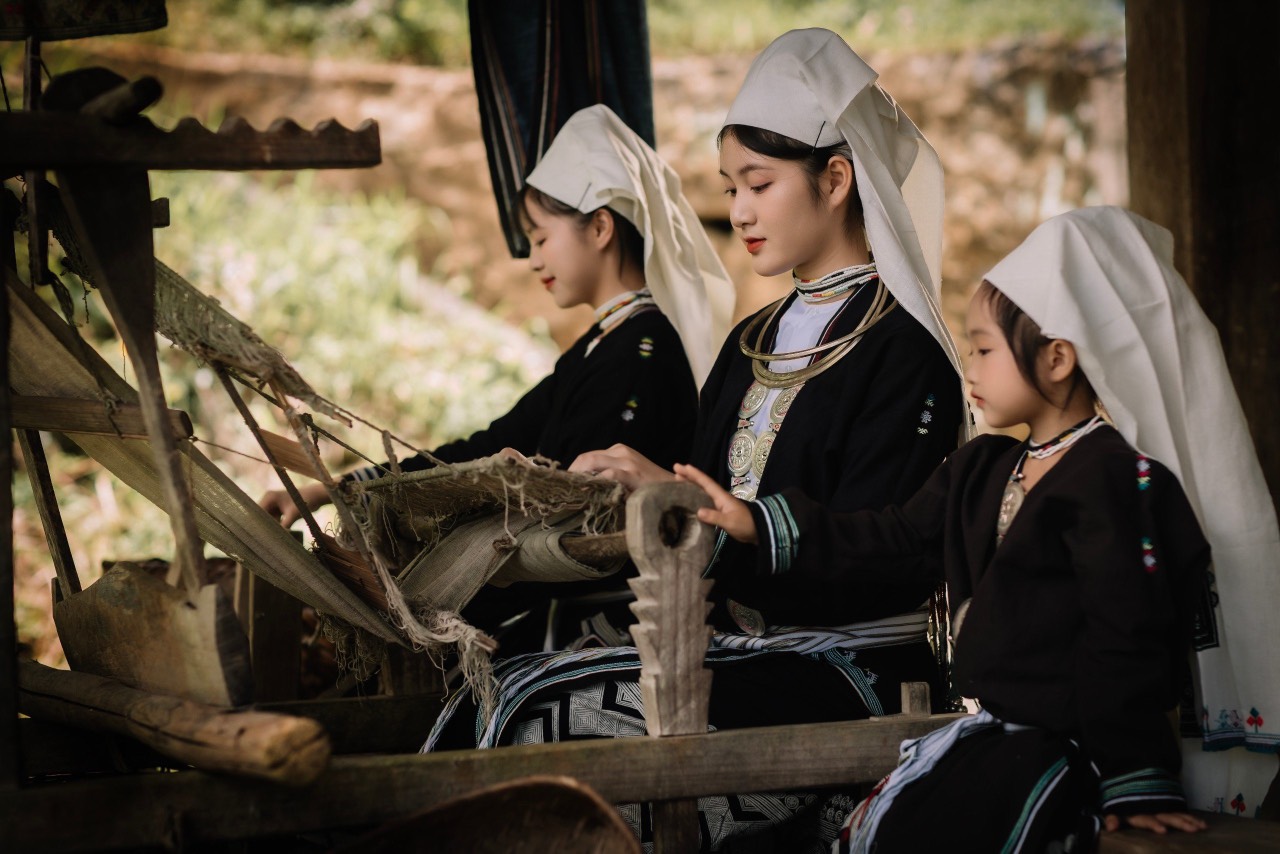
x=671 y=548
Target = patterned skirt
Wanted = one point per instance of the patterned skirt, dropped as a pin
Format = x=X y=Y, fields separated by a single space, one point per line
x=595 y=693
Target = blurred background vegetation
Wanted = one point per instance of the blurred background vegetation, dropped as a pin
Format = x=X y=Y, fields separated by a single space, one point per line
x=335 y=281
x=434 y=32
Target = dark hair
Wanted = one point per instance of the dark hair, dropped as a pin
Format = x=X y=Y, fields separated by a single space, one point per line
x=1025 y=339
x=812 y=159
x=630 y=243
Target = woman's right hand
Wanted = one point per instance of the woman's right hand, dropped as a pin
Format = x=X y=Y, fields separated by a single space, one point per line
x=623 y=464
x=278 y=504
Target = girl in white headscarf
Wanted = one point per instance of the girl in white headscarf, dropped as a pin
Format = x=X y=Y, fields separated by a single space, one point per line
x=848 y=389
x=1075 y=560
x=608 y=228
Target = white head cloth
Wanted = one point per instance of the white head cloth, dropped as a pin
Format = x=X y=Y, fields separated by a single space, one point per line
x=809 y=85
x=1103 y=279
x=597 y=161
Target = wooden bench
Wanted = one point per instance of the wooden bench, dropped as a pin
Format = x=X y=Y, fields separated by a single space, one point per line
x=141 y=810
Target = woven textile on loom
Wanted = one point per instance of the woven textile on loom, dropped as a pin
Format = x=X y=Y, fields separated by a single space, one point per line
x=444 y=533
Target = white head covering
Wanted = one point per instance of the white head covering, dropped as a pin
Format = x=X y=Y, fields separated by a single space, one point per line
x=1103 y=279
x=597 y=161
x=810 y=86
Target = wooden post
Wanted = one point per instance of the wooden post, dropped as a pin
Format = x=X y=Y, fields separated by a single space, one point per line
x=47 y=506
x=9 y=759
x=671 y=548
x=1203 y=163
x=273 y=621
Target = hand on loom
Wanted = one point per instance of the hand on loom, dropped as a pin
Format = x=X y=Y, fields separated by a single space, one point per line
x=729 y=513
x=623 y=464
x=278 y=503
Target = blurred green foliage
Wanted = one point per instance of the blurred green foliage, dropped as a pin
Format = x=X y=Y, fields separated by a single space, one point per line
x=330 y=279
x=434 y=32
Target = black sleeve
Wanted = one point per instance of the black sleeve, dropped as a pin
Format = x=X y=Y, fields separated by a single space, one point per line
x=908 y=424
x=1133 y=551
x=868 y=563
x=635 y=388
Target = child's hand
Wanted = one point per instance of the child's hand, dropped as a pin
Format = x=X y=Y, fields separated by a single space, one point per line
x=1158 y=823
x=729 y=513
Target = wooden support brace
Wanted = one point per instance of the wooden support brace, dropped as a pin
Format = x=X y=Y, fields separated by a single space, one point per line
x=47 y=506
x=274 y=747
x=72 y=416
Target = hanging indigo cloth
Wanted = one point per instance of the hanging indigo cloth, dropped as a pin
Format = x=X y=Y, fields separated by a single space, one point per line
x=536 y=64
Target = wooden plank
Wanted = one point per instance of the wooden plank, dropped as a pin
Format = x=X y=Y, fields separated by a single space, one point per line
x=53 y=140
x=288 y=453
x=273 y=620
x=133 y=627
x=111 y=212
x=47 y=506
x=671 y=548
x=68 y=415
x=142 y=810
x=1227 y=834
x=52 y=749
x=377 y=724
x=1203 y=163
x=268 y=746
x=10 y=763
x=544 y=813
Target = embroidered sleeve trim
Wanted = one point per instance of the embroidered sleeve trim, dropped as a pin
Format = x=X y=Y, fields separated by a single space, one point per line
x=1130 y=792
x=781 y=535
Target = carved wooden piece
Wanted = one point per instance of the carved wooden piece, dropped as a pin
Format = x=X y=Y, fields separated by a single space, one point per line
x=269 y=746
x=134 y=628
x=51 y=140
x=68 y=415
x=111 y=211
x=671 y=548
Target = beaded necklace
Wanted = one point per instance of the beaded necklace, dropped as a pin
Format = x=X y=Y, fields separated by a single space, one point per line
x=833 y=284
x=1014 y=493
x=619 y=309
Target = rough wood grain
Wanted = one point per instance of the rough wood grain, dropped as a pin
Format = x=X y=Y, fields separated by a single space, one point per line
x=273 y=621
x=133 y=627
x=1227 y=834
x=72 y=416
x=50 y=140
x=64 y=565
x=111 y=212
x=543 y=812
x=671 y=548
x=278 y=748
x=137 y=811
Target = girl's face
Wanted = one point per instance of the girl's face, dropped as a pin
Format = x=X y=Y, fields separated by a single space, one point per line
x=995 y=383
x=564 y=257
x=774 y=213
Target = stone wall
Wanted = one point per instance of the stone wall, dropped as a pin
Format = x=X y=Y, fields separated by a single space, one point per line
x=1025 y=130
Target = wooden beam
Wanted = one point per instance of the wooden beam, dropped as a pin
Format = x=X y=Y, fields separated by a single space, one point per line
x=10 y=762
x=142 y=810
x=55 y=533
x=56 y=140
x=1203 y=162
x=68 y=415
x=1227 y=834
x=265 y=745
x=377 y=724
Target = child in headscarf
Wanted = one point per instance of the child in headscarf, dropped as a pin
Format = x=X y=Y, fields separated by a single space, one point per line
x=1075 y=562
